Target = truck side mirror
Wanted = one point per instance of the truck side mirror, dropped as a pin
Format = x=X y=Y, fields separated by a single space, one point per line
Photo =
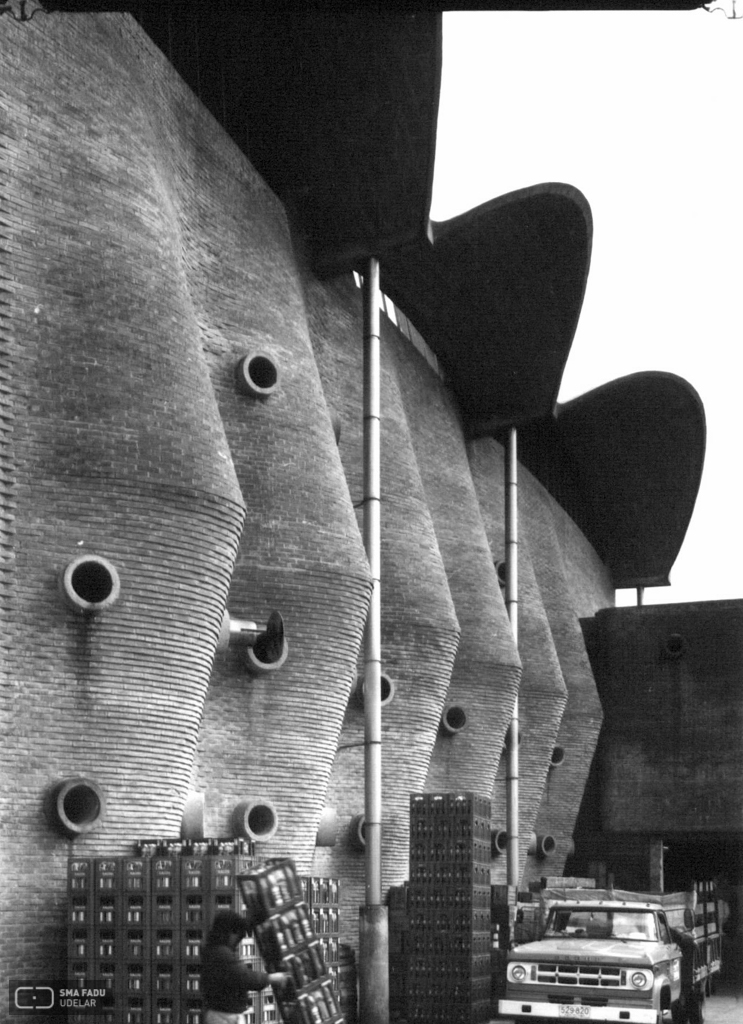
x=688 y=919
x=519 y=916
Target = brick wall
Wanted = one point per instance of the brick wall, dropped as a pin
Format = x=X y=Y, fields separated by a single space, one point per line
x=542 y=690
x=140 y=257
x=118 y=449
x=419 y=624
x=581 y=719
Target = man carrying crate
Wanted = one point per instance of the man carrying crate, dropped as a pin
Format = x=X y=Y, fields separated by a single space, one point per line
x=226 y=980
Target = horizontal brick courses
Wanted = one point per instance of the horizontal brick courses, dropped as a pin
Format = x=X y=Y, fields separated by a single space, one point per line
x=141 y=257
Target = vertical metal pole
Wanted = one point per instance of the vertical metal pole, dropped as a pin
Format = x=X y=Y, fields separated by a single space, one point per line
x=373 y=925
x=372 y=544
x=512 y=608
x=640 y=596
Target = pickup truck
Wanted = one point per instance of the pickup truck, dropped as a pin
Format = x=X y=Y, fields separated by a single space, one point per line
x=607 y=956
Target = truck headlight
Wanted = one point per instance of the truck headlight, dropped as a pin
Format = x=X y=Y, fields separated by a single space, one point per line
x=517 y=972
x=640 y=979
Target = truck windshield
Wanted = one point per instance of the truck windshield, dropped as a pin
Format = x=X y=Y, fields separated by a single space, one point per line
x=600 y=923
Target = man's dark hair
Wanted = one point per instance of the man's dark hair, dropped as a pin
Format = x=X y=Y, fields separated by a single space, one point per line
x=226 y=923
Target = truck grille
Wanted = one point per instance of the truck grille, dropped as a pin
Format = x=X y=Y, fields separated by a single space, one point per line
x=580 y=974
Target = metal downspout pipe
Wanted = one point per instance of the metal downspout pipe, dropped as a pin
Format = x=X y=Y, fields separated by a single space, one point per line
x=512 y=608
x=373 y=924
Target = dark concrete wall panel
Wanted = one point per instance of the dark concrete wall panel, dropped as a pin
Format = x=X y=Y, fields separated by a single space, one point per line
x=671 y=753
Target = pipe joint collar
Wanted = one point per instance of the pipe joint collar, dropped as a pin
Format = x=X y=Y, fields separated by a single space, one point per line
x=266 y=647
x=498 y=842
x=270 y=650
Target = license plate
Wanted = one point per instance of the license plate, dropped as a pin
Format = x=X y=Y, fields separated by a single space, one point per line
x=574 y=1011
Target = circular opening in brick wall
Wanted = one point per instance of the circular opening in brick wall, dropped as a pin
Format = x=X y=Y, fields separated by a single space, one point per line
x=79 y=805
x=558 y=756
x=453 y=718
x=675 y=645
x=500 y=572
x=507 y=744
x=498 y=842
x=270 y=650
x=387 y=689
x=542 y=846
x=357 y=832
x=91 y=583
x=256 y=820
x=257 y=374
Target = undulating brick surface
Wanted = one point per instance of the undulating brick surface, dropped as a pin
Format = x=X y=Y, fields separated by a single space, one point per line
x=487 y=667
x=419 y=625
x=141 y=257
x=301 y=554
x=118 y=451
x=581 y=720
x=542 y=691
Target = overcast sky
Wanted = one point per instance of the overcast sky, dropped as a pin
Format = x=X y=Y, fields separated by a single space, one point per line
x=642 y=112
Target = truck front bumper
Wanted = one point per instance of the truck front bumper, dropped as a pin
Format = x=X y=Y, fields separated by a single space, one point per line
x=522 y=1009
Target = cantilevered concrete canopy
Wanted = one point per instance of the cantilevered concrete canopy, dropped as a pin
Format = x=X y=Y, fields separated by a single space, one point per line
x=497 y=296
x=639 y=444
x=625 y=461
x=337 y=109
x=335 y=104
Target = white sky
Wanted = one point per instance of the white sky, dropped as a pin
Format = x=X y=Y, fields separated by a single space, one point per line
x=642 y=112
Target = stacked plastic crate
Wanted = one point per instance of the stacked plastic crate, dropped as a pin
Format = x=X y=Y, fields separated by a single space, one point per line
x=287 y=941
x=82 y=929
x=137 y=924
x=399 y=946
x=207 y=884
x=449 y=909
x=323 y=898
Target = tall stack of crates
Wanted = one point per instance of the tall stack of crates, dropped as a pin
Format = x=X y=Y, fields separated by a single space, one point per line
x=399 y=948
x=137 y=924
x=322 y=895
x=449 y=909
x=287 y=941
